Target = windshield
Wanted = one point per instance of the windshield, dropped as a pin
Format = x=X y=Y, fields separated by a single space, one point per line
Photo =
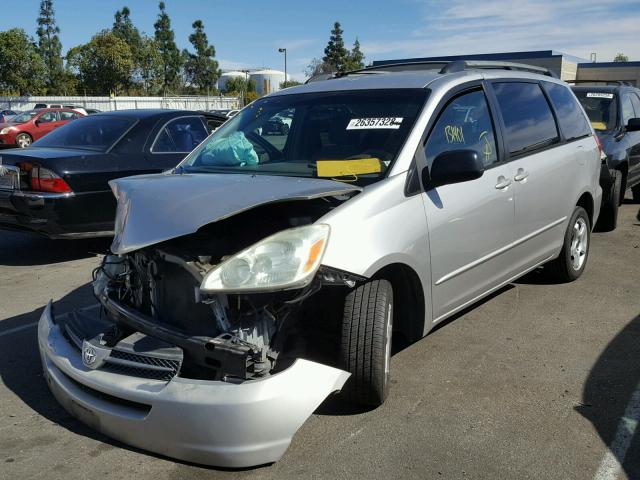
x=351 y=136
x=24 y=117
x=98 y=132
x=601 y=108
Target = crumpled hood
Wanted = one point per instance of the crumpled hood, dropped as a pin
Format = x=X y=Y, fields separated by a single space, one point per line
x=155 y=208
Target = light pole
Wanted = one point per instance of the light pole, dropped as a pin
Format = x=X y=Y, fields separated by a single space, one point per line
x=284 y=50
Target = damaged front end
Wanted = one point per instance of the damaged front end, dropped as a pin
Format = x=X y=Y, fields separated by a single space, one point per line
x=230 y=309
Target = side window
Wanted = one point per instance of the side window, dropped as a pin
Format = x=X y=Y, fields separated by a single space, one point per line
x=569 y=112
x=465 y=123
x=68 y=115
x=48 y=117
x=180 y=136
x=527 y=116
x=627 y=109
x=635 y=100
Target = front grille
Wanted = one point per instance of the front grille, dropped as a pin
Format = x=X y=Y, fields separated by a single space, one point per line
x=147 y=367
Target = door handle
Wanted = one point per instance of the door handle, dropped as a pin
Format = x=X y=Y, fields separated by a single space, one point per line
x=502 y=183
x=521 y=174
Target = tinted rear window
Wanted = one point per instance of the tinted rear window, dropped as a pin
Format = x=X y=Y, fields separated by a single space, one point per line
x=98 y=132
x=570 y=115
x=527 y=116
x=601 y=108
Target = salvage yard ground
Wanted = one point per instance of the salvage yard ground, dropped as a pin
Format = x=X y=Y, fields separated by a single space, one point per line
x=532 y=383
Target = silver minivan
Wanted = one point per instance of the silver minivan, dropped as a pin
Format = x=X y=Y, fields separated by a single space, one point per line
x=274 y=267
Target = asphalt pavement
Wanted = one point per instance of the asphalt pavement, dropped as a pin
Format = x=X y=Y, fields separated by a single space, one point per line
x=532 y=383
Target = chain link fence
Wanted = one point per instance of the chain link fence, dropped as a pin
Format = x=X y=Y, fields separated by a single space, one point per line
x=107 y=104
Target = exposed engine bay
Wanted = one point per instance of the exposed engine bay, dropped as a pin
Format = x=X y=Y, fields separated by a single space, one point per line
x=155 y=292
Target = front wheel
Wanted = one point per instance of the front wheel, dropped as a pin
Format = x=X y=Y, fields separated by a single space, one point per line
x=366 y=342
x=575 y=250
x=23 y=140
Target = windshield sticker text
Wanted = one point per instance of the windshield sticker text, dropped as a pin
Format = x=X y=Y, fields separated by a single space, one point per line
x=392 y=123
x=454 y=134
x=599 y=95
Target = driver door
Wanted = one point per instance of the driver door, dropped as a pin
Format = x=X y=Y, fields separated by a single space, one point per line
x=45 y=123
x=471 y=224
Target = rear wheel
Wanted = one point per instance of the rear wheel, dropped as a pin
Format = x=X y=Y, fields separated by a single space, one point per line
x=23 y=140
x=609 y=214
x=636 y=193
x=366 y=342
x=575 y=250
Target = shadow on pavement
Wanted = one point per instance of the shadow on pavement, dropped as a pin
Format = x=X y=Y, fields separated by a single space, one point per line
x=21 y=249
x=608 y=390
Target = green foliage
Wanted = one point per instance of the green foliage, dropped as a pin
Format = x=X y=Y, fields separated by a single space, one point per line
x=239 y=85
x=50 y=48
x=621 y=57
x=171 y=59
x=289 y=83
x=104 y=65
x=22 y=67
x=149 y=66
x=355 y=59
x=318 y=67
x=201 y=68
x=335 y=53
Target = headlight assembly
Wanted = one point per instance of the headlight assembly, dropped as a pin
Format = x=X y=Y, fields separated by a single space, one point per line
x=286 y=260
x=5 y=130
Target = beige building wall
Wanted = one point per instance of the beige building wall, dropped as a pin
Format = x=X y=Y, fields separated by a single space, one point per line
x=628 y=74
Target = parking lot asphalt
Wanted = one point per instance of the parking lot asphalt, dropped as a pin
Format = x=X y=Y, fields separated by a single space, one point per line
x=531 y=383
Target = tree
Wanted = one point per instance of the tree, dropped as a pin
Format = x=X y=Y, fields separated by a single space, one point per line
x=289 y=83
x=150 y=66
x=318 y=67
x=22 y=67
x=335 y=53
x=201 y=68
x=104 y=65
x=355 y=59
x=50 y=48
x=237 y=85
x=171 y=60
x=621 y=57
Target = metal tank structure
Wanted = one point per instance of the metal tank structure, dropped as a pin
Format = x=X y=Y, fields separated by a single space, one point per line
x=226 y=76
x=267 y=80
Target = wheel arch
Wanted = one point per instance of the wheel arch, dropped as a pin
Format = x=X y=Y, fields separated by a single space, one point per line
x=408 y=298
x=586 y=201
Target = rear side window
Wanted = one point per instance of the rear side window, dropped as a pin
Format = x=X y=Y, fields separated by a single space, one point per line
x=570 y=115
x=180 y=136
x=527 y=116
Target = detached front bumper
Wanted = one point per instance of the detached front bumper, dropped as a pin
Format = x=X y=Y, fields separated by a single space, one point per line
x=208 y=422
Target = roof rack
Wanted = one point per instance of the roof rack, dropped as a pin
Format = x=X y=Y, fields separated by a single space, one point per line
x=442 y=66
x=606 y=82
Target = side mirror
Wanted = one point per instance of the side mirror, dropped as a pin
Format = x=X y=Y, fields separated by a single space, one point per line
x=37 y=121
x=633 y=125
x=454 y=166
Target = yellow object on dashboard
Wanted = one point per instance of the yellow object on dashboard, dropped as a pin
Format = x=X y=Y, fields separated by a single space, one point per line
x=343 y=168
x=599 y=125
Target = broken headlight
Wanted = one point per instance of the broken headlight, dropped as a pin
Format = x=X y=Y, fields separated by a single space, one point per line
x=286 y=260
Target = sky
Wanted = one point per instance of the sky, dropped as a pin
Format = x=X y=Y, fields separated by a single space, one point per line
x=247 y=34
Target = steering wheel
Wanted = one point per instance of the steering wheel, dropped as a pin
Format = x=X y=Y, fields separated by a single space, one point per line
x=273 y=152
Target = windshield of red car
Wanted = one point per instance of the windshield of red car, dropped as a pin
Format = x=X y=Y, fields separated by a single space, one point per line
x=24 y=117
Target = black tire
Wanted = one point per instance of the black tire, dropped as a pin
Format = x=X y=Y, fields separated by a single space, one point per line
x=608 y=219
x=366 y=342
x=636 y=193
x=23 y=140
x=563 y=268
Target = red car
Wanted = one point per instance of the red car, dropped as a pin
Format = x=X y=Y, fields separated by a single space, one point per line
x=29 y=126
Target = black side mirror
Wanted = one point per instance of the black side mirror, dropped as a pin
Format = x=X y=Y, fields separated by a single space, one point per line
x=454 y=166
x=633 y=125
x=37 y=122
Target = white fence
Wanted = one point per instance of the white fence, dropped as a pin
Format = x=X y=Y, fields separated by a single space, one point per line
x=106 y=104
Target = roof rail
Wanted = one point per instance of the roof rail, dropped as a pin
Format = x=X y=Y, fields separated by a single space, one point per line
x=441 y=66
x=606 y=82
x=461 y=65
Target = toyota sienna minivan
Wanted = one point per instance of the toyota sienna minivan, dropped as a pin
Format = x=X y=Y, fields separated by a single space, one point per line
x=272 y=268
